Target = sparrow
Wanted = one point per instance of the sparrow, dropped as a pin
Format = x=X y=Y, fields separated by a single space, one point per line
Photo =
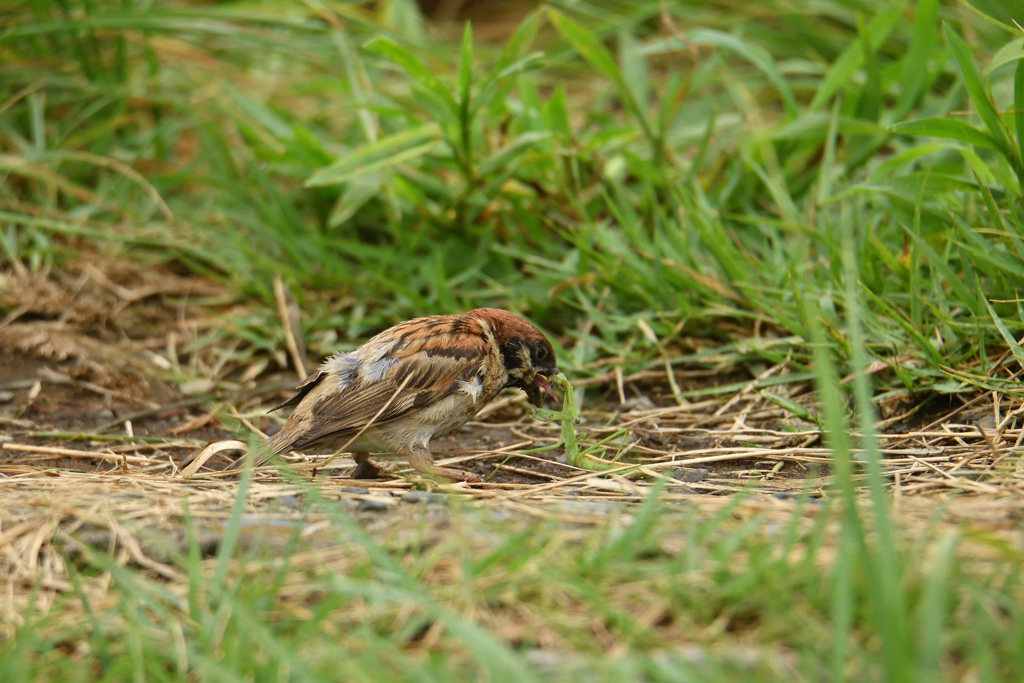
x=419 y=379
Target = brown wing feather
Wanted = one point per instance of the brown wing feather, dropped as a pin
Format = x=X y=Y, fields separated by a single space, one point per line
x=430 y=359
x=307 y=386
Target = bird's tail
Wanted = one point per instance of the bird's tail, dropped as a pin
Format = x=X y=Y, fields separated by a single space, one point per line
x=276 y=444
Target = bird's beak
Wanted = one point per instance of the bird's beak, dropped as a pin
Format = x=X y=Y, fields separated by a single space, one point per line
x=536 y=392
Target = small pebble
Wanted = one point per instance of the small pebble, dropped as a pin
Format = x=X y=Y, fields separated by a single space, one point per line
x=589 y=507
x=289 y=502
x=374 y=504
x=6 y=396
x=794 y=496
x=358 y=490
x=423 y=497
x=690 y=475
x=105 y=414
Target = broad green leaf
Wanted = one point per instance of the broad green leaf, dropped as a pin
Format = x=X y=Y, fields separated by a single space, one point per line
x=979 y=96
x=951 y=129
x=386 y=152
x=412 y=66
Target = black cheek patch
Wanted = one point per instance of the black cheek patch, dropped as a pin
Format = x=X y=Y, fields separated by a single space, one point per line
x=511 y=356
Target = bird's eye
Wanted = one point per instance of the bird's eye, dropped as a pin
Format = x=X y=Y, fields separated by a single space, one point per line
x=541 y=353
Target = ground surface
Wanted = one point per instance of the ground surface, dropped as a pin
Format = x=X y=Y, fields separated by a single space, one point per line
x=108 y=395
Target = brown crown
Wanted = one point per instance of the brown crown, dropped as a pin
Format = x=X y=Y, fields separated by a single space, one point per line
x=508 y=325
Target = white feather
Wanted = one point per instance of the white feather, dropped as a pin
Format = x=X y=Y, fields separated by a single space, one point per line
x=472 y=387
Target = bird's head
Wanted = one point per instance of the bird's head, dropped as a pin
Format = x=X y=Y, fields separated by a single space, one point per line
x=527 y=354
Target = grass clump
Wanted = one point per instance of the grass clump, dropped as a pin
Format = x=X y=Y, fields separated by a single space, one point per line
x=672 y=172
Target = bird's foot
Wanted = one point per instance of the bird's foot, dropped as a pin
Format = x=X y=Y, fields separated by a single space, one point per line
x=423 y=461
x=458 y=475
x=368 y=468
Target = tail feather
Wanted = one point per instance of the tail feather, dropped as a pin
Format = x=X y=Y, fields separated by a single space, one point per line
x=278 y=443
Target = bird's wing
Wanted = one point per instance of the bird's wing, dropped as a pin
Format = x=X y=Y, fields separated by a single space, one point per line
x=421 y=363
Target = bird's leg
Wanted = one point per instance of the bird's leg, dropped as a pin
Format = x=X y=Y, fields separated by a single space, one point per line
x=368 y=468
x=423 y=461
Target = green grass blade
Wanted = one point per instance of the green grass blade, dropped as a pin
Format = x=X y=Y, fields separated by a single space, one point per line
x=386 y=152
x=951 y=129
x=591 y=49
x=415 y=68
x=462 y=83
x=229 y=541
x=842 y=70
x=1018 y=106
x=934 y=607
x=870 y=103
x=789 y=405
x=889 y=602
x=1004 y=332
x=941 y=265
x=915 y=62
x=990 y=19
x=980 y=98
x=465 y=76
x=633 y=67
x=828 y=162
x=757 y=56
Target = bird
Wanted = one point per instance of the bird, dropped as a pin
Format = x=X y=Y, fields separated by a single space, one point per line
x=422 y=378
